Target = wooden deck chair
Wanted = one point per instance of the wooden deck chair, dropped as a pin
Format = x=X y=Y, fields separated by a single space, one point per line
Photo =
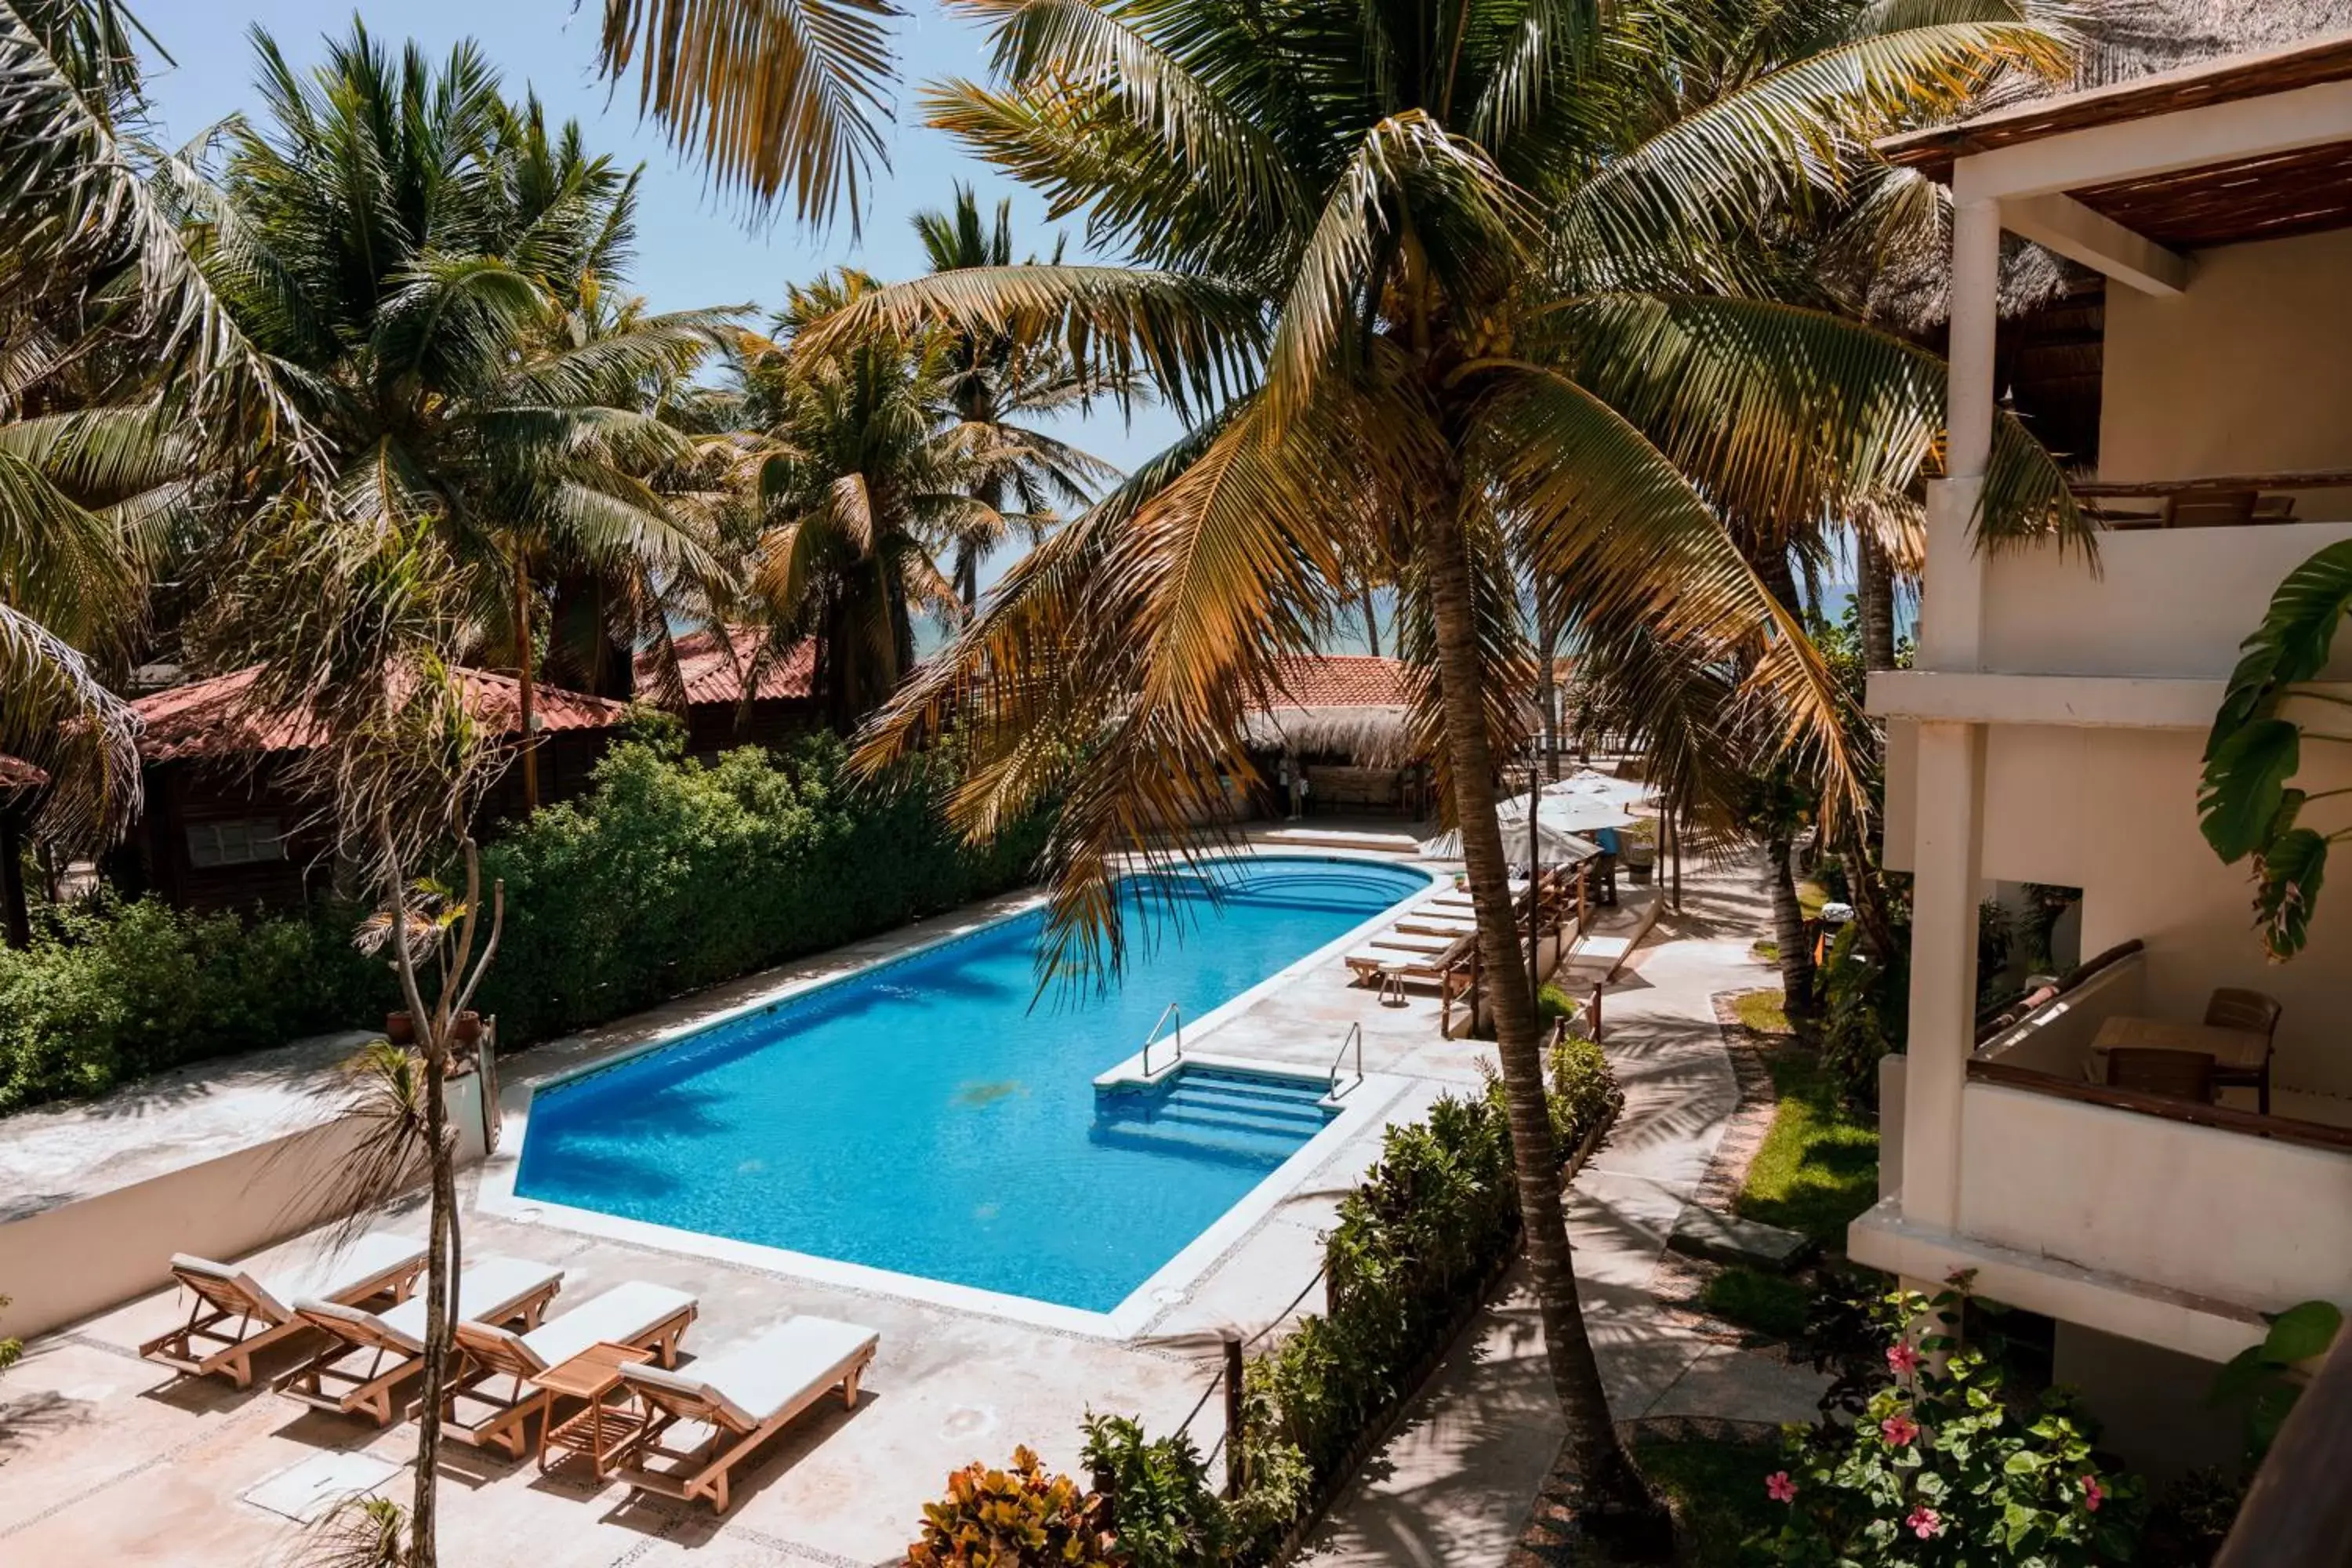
x=744 y=1395
x=262 y=1303
x=644 y=1315
x=373 y=1354
x=1416 y=968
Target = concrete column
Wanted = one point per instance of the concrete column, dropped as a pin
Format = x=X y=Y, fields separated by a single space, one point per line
x=1949 y=796
x=1948 y=845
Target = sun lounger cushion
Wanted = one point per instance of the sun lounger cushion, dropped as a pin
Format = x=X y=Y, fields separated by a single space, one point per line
x=754 y=1379
x=622 y=1315
x=330 y=1278
x=1410 y=941
x=488 y=1291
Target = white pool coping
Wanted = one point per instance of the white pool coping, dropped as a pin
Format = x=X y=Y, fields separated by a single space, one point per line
x=1361 y=1105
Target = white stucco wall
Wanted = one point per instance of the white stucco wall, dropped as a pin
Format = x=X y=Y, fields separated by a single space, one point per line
x=2173 y=603
x=2248 y=370
x=2114 y=812
x=2244 y=1220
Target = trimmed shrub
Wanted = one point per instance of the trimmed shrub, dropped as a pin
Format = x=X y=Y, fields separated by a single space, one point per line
x=112 y=991
x=1167 y=1513
x=671 y=876
x=667 y=877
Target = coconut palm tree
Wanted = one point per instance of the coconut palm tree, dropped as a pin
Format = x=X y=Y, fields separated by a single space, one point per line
x=103 y=312
x=859 y=476
x=431 y=260
x=997 y=379
x=777 y=96
x=1459 y=288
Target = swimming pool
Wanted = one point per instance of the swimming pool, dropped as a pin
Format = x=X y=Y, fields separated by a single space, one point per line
x=921 y=1117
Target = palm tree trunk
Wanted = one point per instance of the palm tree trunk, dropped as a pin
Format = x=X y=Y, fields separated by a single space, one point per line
x=1608 y=1475
x=522 y=678
x=1789 y=928
x=1874 y=593
x=1371 y=621
x=1548 y=686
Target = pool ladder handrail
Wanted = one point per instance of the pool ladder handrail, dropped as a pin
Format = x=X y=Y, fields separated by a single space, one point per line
x=1173 y=1010
x=1355 y=1037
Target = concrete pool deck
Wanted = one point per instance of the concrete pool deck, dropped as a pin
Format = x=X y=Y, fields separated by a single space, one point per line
x=103 y=1458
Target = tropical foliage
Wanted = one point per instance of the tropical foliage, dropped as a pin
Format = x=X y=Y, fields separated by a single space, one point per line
x=425 y=261
x=2249 y=804
x=1940 y=1469
x=110 y=992
x=1019 y=1516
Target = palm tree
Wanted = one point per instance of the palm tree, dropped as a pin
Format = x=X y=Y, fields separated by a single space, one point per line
x=777 y=96
x=860 y=475
x=997 y=378
x=1461 y=286
x=116 y=346
x=431 y=260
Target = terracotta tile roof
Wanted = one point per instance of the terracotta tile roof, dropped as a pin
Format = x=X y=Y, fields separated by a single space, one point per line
x=217 y=717
x=712 y=666
x=1343 y=680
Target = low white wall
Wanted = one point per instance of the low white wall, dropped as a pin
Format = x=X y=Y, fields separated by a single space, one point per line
x=2171 y=602
x=2242 y=1219
x=81 y=1258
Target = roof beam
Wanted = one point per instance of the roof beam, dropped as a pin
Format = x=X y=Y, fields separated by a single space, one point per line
x=2158 y=144
x=2073 y=230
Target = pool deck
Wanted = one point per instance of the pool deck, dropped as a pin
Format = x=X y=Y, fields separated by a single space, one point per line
x=102 y=1458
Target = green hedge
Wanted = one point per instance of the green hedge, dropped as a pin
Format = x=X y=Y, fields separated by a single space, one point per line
x=671 y=876
x=112 y=991
x=667 y=877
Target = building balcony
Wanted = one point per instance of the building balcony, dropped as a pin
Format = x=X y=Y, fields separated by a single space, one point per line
x=2170 y=1221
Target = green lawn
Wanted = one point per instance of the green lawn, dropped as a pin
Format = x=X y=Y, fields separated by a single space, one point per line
x=1762 y=1011
x=1819 y=1166
x=1768 y=1303
x=1718 y=1492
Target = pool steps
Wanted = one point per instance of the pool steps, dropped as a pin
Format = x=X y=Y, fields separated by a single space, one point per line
x=1198 y=1110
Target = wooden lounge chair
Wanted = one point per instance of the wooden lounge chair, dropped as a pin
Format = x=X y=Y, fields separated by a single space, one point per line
x=373 y=1354
x=1437 y=924
x=2231 y=1007
x=637 y=1313
x=745 y=1395
x=2152 y=1070
x=1416 y=968
x=263 y=1304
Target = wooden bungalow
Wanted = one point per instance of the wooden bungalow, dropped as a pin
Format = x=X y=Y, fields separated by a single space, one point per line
x=221 y=829
x=725 y=705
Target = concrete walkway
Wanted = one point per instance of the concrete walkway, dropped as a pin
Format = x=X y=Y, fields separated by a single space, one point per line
x=1455 y=1484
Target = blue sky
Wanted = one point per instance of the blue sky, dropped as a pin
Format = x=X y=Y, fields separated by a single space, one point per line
x=694 y=248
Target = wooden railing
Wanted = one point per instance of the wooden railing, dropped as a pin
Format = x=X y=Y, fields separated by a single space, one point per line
x=2220 y=1118
x=2298 y=1512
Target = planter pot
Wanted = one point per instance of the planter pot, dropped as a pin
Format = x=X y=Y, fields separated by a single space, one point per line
x=400 y=1028
x=465 y=1031
x=1640 y=871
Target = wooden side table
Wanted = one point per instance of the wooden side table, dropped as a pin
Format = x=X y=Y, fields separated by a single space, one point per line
x=589 y=1375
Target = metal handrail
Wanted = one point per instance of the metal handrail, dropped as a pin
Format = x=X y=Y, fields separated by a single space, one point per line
x=1354 y=1037
x=1172 y=1011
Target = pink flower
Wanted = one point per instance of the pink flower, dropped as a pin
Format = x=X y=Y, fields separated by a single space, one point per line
x=1779 y=1488
x=2093 y=1494
x=1925 y=1522
x=1902 y=1360
x=1899 y=1429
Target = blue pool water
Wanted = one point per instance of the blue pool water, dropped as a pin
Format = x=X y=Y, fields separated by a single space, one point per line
x=923 y=1117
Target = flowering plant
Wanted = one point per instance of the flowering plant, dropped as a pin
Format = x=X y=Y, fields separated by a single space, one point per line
x=1940 y=1471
